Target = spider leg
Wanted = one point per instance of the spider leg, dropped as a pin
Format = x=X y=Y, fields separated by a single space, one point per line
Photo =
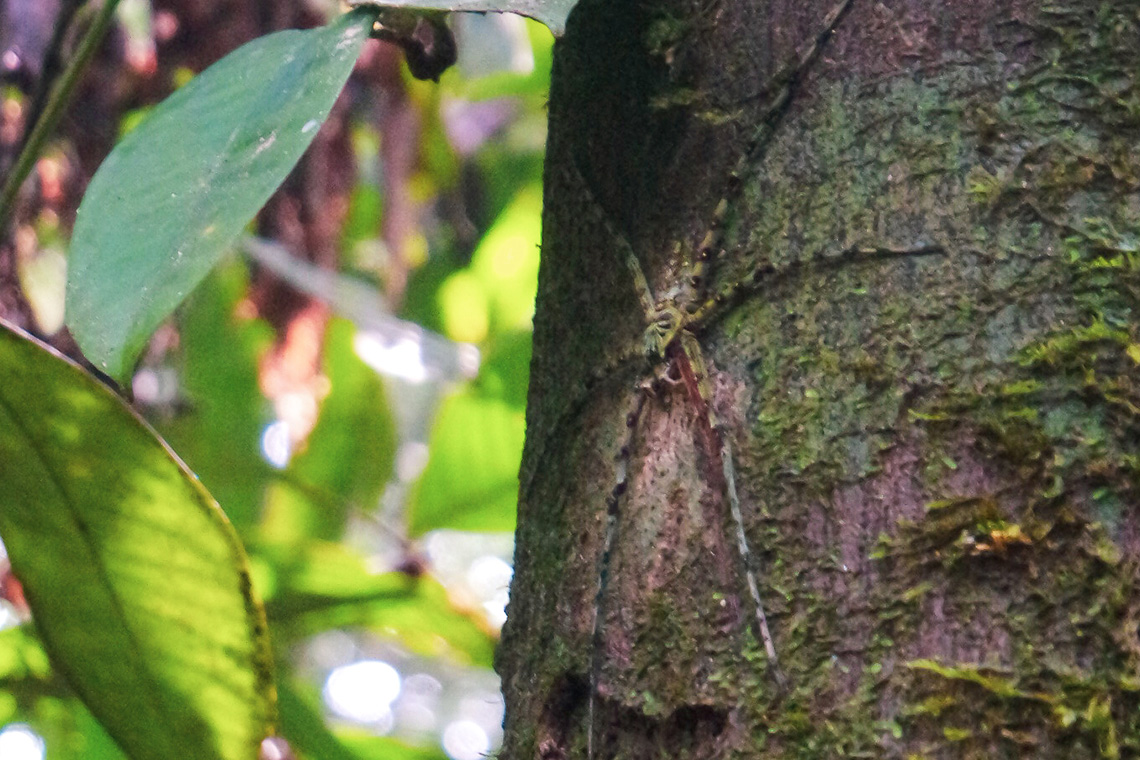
x=694 y=373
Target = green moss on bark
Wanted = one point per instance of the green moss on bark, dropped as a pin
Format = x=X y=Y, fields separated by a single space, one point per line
x=933 y=395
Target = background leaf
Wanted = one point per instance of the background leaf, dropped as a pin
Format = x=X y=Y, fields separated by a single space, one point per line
x=322 y=586
x=136 y=580
x=407 y=185
x=173 y=195
x=471 y=481
x=219 y=436
x=303 y=723
x=347 y=458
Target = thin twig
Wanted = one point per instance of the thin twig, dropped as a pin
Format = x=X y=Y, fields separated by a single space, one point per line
x=52 y=64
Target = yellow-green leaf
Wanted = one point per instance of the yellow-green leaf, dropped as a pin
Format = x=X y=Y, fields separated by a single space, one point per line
x=136 y=581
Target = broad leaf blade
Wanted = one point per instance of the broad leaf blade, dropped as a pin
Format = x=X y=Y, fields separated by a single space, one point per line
x=173 y=195
x=136 y=580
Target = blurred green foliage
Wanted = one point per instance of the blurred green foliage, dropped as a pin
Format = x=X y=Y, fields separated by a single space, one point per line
x=332 y=537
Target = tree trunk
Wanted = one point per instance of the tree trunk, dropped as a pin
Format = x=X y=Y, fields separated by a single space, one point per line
x=929 y=386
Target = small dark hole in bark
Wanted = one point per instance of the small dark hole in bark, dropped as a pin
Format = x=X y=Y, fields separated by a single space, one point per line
x=567 y=698
x=699 y=720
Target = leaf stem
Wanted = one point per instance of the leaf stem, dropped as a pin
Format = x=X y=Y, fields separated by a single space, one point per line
x=52 y=62
x=53 y=110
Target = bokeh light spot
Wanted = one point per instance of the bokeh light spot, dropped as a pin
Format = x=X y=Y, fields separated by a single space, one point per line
x=465 y=740
x=363 y=691
x=275 y=444
x=19 y=742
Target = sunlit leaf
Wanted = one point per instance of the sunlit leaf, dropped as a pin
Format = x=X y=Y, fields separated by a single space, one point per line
x=92 y=738
x=304 y=726
x=22 y=657
x=531 y=85
x=136 y=580
x=318 y=576
x=367 y=747
x=505 y=372
x=471 y=480
x=507 y=260
x=173 y=195
x=496 y=293
x=428 y=624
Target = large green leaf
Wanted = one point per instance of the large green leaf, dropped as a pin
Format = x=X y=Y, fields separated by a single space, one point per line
x=136 y=580
x=173 y=195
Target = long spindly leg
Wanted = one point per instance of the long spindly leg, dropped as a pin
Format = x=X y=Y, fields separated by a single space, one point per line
x=746 y=558
x=659 y=332
x=613 y=501
x=694 y=374
x=778 y=93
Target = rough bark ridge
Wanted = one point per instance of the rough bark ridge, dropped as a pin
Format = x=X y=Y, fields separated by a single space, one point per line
x=931 y=389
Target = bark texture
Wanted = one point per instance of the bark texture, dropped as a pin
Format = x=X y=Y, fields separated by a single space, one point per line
x=932 y=388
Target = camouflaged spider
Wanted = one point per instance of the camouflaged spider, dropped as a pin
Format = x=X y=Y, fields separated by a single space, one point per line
x=671 y=347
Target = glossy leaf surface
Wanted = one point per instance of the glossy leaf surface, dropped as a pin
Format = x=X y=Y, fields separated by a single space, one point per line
x=136 y=581
x=173 y=195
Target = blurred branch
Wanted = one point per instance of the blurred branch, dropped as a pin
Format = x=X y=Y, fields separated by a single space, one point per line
x=325 y=500
x=52 y=63
x=292 y=607
x=409 y=344
x=57 y=100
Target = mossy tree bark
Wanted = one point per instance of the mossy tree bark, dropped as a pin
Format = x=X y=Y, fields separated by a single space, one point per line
x=932 y=390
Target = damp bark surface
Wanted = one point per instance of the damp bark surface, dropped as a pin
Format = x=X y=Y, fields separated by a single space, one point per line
x=930 y=385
